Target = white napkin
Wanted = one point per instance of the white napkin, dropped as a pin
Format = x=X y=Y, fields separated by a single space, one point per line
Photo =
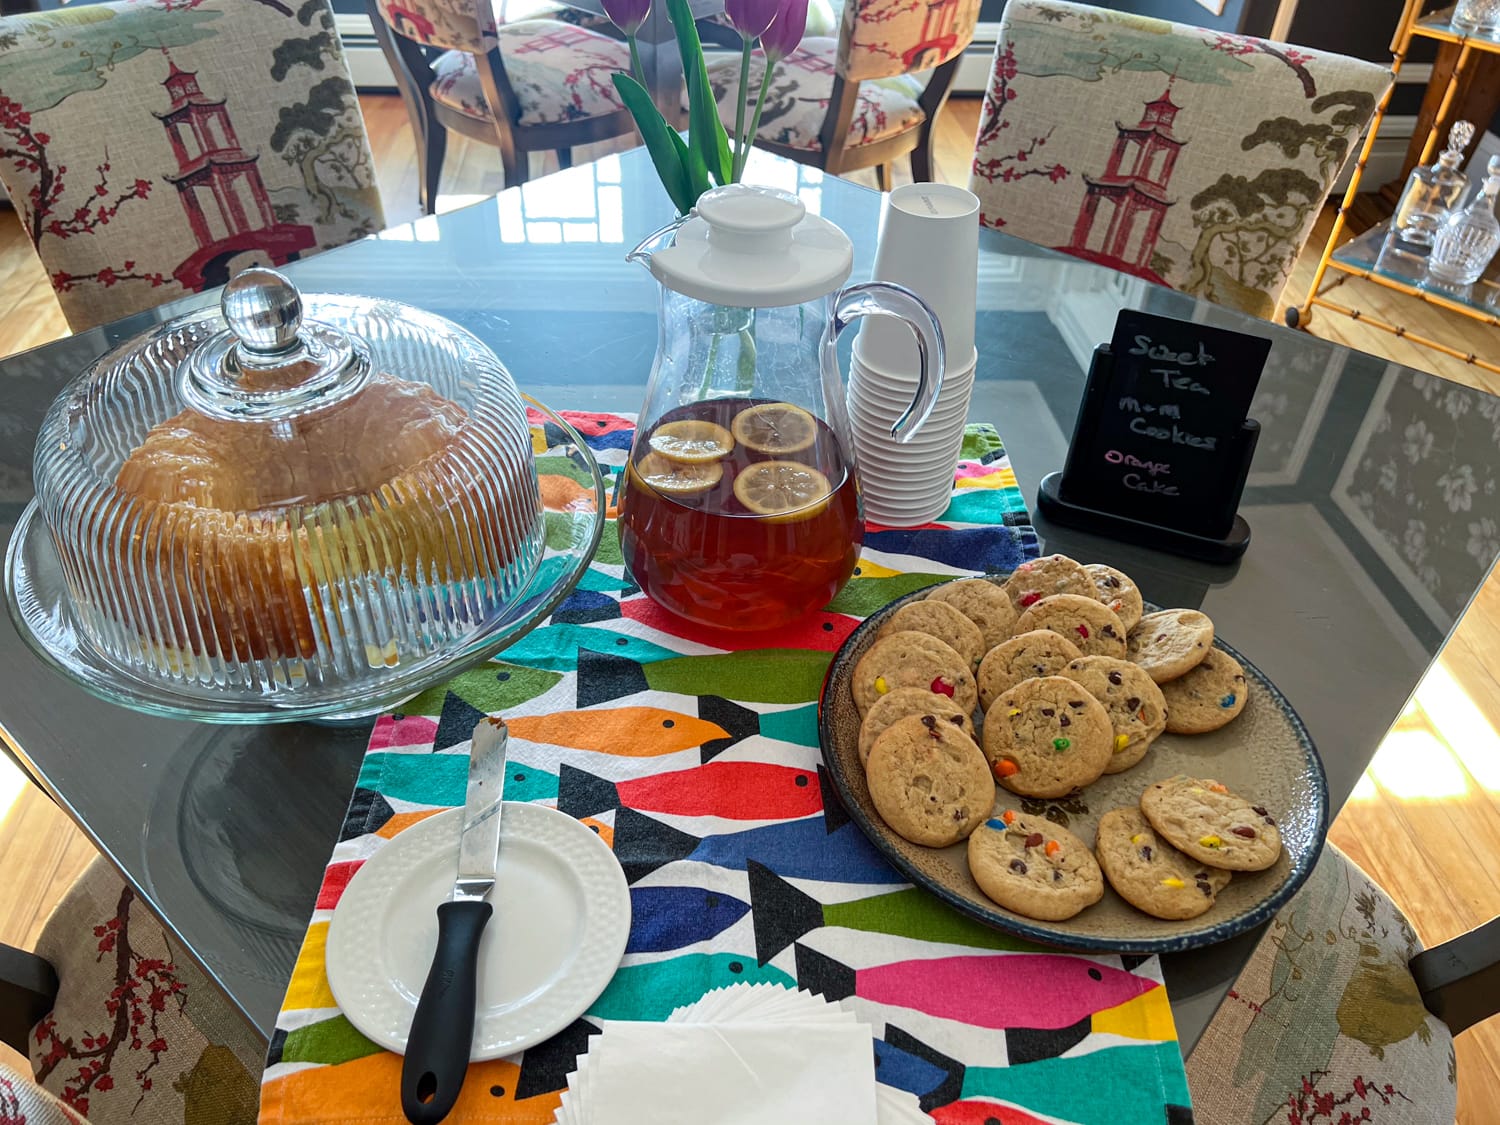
x=743 y=1055
x=735 y=1074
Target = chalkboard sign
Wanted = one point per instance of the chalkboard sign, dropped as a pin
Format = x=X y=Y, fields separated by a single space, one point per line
x=1163 y=440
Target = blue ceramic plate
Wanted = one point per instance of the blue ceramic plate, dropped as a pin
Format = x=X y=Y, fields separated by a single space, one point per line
x=1265 y=755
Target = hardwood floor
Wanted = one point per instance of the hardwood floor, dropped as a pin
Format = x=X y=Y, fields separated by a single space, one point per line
x=1424 y=821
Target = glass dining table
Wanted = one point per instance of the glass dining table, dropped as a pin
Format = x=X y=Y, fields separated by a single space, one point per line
x=1372 y=500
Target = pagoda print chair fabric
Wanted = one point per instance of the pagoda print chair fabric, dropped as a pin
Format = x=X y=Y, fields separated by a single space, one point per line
x=154 y=148
x=1192 y=158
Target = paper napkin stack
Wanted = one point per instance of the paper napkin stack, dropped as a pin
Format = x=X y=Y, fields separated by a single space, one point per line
x=744 y=1055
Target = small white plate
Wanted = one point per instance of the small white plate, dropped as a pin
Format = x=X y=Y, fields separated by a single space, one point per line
x=562 y=917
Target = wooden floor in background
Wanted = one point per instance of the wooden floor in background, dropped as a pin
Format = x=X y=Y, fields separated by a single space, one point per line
x=1425 y=820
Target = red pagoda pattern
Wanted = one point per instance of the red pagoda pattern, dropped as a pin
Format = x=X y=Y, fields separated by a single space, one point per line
x=939 y=33
x=221 y=190
x=1135 y=185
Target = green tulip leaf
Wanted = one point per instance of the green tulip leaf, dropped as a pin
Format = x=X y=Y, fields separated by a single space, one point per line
x=705 y=131
x=671 y=159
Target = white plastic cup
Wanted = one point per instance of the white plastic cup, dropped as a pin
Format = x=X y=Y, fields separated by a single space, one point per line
x=904 y=485
x=929 y=242
x=878 y=399
x=902 y=512
x=874 y=406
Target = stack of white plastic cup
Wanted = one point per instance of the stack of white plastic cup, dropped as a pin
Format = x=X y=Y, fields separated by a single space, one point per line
x=929 y=242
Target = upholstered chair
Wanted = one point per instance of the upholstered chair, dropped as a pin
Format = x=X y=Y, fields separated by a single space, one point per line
x=1340 y=1014
x=154 y=148
x=120 y=1026
x=528 y=85
x=1192 y=158
x=865 y=99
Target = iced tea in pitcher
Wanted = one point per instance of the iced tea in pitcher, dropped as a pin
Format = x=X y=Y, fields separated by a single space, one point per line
x=740 y=513
x=739 y=506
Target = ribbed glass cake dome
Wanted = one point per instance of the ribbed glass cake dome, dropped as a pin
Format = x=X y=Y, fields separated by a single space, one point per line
x=286 y=507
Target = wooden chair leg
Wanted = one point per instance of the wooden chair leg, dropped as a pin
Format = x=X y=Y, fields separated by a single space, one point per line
x=430 y=155
x=28 y=989
x=565 y=158
x=515 y=162
x=921 y=161
x=883 y=176
x=413 y=76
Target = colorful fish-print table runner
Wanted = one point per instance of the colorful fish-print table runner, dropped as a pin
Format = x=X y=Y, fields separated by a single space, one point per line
x=700 y=767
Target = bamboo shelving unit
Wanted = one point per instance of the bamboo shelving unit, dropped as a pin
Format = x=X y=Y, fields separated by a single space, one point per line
x=1361 y=257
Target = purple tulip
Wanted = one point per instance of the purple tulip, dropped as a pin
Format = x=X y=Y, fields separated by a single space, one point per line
x=751 y=17
x=628 y=15
x=785 y=33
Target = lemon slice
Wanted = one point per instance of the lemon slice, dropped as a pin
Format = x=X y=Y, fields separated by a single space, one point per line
x=775 y=427
x=692 y=441
x=787 y=489
x=676 y=478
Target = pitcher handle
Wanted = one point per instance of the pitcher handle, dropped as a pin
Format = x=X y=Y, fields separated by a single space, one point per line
x=656 y=240
x=881 y=298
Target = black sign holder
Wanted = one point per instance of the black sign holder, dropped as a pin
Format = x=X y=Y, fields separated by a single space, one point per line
x=1230 y=534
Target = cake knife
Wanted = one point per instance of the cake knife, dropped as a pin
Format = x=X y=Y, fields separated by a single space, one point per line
x=437 y=1047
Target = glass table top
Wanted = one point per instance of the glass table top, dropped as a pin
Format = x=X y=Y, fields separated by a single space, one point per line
x=1372 y=499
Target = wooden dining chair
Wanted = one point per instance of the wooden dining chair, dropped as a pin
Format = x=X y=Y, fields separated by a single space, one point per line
x=154 y=148
x=865 y=99
x=1192 y=158
x=117 y=1022
x=532 y=85
x=1340 y=1011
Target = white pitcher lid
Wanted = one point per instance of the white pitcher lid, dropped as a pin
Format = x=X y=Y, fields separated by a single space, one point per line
x=754 y=247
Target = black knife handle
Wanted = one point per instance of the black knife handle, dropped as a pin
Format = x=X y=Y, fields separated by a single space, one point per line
x=437 y=1048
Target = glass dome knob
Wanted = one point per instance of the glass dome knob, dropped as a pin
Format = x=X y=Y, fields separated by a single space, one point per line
x=264 y=311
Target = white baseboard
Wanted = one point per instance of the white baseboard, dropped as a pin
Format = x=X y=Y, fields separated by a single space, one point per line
x=367 y=65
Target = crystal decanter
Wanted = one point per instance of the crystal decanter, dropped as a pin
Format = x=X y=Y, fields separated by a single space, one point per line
x=1468 y=239
x=1432 y=192
x=1477 y=17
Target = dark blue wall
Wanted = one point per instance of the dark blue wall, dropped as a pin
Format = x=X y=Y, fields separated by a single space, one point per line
x=1184 y=11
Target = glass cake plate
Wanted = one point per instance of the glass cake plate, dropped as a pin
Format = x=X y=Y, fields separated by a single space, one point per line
x=37 y=595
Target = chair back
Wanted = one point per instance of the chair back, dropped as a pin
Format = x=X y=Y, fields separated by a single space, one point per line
x=138 y=1033
x=884 y=38
x=453 y=25
x=154 y=149
x=1193 y=158
x=1325 y=1018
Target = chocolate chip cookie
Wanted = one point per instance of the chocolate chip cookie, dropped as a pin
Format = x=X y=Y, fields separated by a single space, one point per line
x=1034 y=867
x=1116 y=590
x=909 y=701
x=1047 y=737
x=917 y=660
x=1207 y=697
x=983 y=603
x=1137 y=711
x=1086 y=621
x=940 y=620
x=1149 y=873
x=1030 y=582
x=929 y=781
x=1170 y=643
x=1211 y=824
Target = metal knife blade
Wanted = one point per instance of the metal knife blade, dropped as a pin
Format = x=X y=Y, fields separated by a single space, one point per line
x=442 y=1030
x=479 y=843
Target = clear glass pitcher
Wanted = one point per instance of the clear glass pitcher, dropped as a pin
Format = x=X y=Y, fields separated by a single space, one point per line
x=740 y=503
